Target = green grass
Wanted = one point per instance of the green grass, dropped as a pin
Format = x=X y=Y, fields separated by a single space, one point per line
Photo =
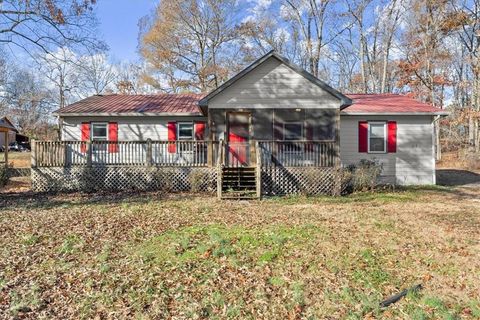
x=401 y=194
x=239 y=245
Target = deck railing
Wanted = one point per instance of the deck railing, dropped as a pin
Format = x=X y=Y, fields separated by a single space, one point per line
x=298 y=153
x=184 y=153
x=134 y=153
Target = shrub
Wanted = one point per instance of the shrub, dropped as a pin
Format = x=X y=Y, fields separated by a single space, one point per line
x=197 y=179
x=364 y=175
x=342 y=181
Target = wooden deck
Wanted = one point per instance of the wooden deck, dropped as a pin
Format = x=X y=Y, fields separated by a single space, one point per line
x=246 y=171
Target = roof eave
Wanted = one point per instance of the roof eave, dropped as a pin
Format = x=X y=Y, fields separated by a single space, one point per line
x=437 y=113
x=7 y=124
x=130 y=114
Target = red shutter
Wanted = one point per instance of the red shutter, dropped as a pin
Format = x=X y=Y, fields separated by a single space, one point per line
x=200 y=130
x=392 y=136
x=363 y=136
x=85 y=136
x=112 y=137
x=172 y=136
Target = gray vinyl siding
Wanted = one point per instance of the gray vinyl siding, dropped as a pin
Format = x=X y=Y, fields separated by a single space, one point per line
x=272 y=84
x=134 y=128
x=412 y=164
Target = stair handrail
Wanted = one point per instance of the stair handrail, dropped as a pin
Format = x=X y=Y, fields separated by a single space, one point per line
x=258 y=170
x=219 y=169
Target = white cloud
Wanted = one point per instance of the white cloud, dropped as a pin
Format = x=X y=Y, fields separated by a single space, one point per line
x=258 y=7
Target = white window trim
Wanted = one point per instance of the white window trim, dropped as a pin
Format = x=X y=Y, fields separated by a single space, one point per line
x=385 y=138
x=193 y=130
x=91 y=130
x=301 y=130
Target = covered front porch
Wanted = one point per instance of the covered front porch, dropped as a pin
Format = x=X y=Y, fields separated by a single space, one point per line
x=283 y=137
x=253 y=167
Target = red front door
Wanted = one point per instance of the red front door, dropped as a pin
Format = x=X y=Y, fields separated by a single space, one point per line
x=238 y=136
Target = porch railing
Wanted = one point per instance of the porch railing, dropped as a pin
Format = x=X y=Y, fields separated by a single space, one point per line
x=184 y=153
x=136 y=153
x=298 y=153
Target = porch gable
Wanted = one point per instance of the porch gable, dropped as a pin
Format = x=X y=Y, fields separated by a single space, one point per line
x=273 y=82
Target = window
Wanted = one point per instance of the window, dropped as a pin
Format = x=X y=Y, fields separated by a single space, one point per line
x=293 y=131
x=377 y=137
x=99 y=133
x=185 y=131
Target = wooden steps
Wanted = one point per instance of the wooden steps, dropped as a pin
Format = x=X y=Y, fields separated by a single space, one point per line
x=239 y=183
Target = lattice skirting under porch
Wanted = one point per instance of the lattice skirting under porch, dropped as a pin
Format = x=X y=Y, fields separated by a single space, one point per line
x=300 y=180
x=83 y=178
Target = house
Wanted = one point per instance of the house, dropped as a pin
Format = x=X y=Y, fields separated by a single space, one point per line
x=273 y=116
x=10 y=134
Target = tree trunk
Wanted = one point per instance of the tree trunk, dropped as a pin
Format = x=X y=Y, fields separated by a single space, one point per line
x=362 y=67
x=471 y=131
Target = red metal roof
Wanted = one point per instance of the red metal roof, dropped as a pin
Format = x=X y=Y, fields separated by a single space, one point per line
x=388 y=103
x=187 y=103
x=184 y=103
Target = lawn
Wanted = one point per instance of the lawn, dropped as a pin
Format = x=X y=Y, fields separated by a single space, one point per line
x=154 y=256
x=18 y=159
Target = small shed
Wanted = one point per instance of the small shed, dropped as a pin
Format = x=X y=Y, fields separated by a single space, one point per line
x=5 y=128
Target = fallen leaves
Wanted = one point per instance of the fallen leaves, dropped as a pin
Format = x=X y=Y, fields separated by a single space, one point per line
x=176 y=256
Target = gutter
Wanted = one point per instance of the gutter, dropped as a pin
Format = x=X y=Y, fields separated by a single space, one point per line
x=129 y=114
x=439 y=113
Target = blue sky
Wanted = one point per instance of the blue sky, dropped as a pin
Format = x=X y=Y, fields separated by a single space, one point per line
x=119 y=25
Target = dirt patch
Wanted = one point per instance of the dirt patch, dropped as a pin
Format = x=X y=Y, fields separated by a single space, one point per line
x=457 y=177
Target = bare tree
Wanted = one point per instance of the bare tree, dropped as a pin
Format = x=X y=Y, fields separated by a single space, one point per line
x=48 y=24
x=96 y=74
x=315 y=24
x=29 y=101
x=469 y=66
x=193 y=39
x=61 y=70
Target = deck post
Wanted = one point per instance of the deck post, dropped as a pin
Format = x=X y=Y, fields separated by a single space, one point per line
x=89 y=153
x=258 y=171
x=33 y=155
x=209 y=153
x=149 y=153
x=66 y=150
x=219 y=169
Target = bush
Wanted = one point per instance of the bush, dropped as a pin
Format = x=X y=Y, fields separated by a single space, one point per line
x=4 y=177
x=364 y=175
x=197 y=180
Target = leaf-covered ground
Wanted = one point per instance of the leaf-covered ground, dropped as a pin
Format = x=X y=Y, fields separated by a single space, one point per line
x=153 y=256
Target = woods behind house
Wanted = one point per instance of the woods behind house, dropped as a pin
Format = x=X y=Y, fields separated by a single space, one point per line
x=428 y=49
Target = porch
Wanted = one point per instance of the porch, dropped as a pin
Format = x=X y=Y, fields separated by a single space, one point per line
x=279 y=167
